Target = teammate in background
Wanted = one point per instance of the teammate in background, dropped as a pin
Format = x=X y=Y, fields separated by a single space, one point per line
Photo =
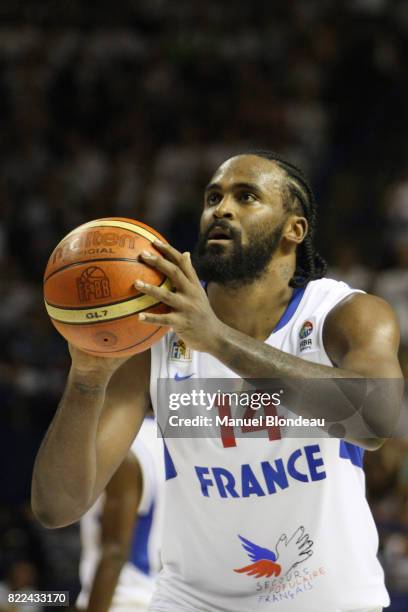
x=120 y=534
x=249 y=524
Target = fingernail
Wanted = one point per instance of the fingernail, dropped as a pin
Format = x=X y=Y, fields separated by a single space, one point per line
x=146 y=254
x=158 y=242
x=139 y=283
x=142 y=317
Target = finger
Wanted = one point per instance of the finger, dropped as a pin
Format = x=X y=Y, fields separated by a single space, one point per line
x=160 y=293
x=297 y=535
x=306 y=543
x=182 y=260
x=188 y=267
x=164 y=320
x=169 y=251
x=283 y=538
x=306 y=554
x=169 y=269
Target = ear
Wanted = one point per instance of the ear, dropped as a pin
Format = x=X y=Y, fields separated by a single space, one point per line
x=296 y=229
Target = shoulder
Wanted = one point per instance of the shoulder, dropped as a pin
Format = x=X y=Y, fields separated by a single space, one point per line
x=362 y=311
x=360 y=320
x=346 y=308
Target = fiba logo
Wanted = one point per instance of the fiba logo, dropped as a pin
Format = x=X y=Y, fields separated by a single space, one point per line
x=306 y=329
x=93 y=284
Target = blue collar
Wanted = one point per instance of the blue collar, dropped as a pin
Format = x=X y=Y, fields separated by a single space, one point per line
x=290 y=308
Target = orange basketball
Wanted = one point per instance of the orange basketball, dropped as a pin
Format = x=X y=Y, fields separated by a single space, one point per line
x=89 y=287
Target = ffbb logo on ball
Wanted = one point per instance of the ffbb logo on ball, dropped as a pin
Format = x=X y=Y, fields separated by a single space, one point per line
x=93 y=284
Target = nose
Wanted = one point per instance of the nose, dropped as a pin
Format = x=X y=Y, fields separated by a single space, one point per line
x=225 y=209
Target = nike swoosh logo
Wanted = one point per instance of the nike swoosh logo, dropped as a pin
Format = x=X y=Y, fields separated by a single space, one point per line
x=178 y=377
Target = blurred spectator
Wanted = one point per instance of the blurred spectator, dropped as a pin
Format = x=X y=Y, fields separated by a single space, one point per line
x=349 y=268
x=392 y=284
x=396 y=201
x=21 y=580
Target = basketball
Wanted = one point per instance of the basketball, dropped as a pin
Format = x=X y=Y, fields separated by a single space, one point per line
x=89 y=287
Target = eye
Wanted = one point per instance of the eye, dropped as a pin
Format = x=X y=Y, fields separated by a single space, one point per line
x=213 y=198
x=246 y=197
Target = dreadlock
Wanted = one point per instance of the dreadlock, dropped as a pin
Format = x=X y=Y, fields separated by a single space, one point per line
x=298 y=197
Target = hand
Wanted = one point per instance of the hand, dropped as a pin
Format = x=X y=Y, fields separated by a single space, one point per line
x=191 y=317
x=294 y=550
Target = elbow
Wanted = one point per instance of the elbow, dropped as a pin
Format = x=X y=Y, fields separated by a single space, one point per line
x=54 y=505
x=41 y=510
x=51 y=519
x=41 y=513
x=51 y=514
x=45 y=518
x=372 y=444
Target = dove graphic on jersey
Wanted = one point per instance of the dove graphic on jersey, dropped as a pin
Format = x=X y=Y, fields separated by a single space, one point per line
x=289 y=551
x=264 y=561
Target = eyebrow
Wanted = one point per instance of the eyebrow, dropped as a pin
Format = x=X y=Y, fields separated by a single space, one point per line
x=249 y=186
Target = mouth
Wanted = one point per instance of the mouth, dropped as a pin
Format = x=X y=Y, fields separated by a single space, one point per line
x=219 y=234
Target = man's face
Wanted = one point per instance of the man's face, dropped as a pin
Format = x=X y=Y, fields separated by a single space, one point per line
x=242 y=222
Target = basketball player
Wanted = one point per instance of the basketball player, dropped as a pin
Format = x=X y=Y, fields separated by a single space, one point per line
x=250 y=524
x=120 y=534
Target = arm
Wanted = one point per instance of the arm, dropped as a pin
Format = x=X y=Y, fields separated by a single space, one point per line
x=123 y=494
x=360 y=335
x=96 y=421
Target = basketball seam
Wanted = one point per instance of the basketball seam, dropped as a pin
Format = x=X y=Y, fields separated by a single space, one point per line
x=90 y=261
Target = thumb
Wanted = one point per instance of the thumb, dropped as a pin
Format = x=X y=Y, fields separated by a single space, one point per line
x=283 y=539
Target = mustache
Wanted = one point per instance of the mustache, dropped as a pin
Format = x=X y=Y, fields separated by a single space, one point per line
x=222 y=224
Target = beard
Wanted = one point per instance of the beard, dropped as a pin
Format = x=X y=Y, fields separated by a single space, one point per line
x=236 y=265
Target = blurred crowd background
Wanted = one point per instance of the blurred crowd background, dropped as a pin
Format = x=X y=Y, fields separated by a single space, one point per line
x=127 y=110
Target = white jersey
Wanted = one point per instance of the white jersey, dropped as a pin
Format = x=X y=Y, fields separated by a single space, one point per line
x=238 y=518
x=137 y=578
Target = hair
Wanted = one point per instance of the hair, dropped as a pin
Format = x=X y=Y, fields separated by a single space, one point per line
x=299 y=197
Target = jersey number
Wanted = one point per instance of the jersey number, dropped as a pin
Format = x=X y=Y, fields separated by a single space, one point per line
x=227 y=431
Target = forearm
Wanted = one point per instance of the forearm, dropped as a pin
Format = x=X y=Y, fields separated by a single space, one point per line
x=65 y=468
x=105 y=580
x=336 y=395
x=251 y=358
